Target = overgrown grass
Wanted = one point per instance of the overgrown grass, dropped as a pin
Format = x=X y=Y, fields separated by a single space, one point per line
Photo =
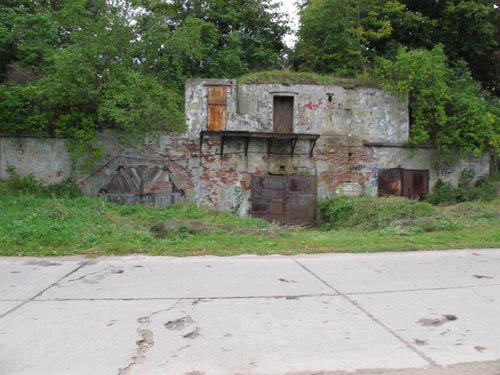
x=50 y=221
x=288 y=78
x=403 y=216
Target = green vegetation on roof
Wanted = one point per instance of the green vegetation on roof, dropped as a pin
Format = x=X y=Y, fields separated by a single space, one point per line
x=288 y=78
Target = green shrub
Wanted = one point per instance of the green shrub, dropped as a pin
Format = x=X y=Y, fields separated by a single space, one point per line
x=17 y=185
x=485 y=189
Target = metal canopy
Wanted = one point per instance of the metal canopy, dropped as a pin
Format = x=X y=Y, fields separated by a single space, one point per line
x=291 y=137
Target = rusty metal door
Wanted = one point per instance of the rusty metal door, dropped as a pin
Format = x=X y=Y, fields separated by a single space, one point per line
x=268 y=198
x=300 y=200
x=284 y=199
x=389 y=182
x=283 y=114
x=217 y=108
x=415 y=183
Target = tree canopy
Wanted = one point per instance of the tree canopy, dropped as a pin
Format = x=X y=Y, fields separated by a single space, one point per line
x=70 y=68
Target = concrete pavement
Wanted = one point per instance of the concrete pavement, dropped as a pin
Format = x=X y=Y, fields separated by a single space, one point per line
x=432 y=313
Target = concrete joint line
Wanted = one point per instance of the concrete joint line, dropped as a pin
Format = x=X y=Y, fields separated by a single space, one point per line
x=369 y=315
x=420 y=290
x=209 y=298
x=43 y=291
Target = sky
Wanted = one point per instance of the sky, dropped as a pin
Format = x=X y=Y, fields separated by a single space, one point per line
x=289 y=7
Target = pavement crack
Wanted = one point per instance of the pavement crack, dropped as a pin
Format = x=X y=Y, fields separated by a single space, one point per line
x=357 y=305
x=82 y=277
x=144 y=344
x=145 y=341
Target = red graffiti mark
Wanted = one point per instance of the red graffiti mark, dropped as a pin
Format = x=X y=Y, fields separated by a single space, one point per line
x=312 y=106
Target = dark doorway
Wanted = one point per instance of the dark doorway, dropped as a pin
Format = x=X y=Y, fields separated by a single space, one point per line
x=283 y=114
x=389 y=182
x=284 y=199
x=404 y=182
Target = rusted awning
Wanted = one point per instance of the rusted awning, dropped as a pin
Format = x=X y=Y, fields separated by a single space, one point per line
x=292 y=137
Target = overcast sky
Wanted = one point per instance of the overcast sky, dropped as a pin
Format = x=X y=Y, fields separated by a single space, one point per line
x=288 y=6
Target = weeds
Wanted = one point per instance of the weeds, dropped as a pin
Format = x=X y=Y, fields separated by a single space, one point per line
x=484 y=189
x=18 y=185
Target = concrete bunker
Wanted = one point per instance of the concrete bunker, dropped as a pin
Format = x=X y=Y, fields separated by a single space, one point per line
x=317 y=141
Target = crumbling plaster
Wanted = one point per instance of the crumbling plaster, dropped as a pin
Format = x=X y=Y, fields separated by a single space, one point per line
x=364 y=114
x=44 y=158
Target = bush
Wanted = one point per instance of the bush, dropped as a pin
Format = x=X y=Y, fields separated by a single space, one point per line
x=485 y=189
x=17 y=185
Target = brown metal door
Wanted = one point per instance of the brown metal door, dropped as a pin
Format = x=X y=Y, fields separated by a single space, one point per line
x=407 y=183
x=389 y=182
x=217 y=108
x=300 y=200
x=268 y=198
x=283 y=114
x=284 y=199
x=415 y=183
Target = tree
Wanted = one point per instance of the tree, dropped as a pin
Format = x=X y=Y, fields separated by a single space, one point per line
x=448 y=108
x=340 y=36
x=88 y=80
x=228 y=37
x=469 y=31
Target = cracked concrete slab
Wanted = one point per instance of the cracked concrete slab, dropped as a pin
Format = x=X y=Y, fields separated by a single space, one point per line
x=367 y=273
x=423 y=318
x=270 y=336
x=22 y=278
x=244 y=276
x=254 y=315
x=77 y=338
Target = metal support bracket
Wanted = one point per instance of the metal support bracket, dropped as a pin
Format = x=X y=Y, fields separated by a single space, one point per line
x=293 y=143
x=222 y=139
x=312 y=144
x=247 y=141
x=269 y=146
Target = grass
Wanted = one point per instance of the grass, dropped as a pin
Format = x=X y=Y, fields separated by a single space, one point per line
x=288 y=78
x=42 y=223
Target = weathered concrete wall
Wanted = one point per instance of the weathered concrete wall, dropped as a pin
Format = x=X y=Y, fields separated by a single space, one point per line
x=366 y=114
x=426 y=158
x=223 y=182
x=175 y=153
x=196 y=103
x=46 y=159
